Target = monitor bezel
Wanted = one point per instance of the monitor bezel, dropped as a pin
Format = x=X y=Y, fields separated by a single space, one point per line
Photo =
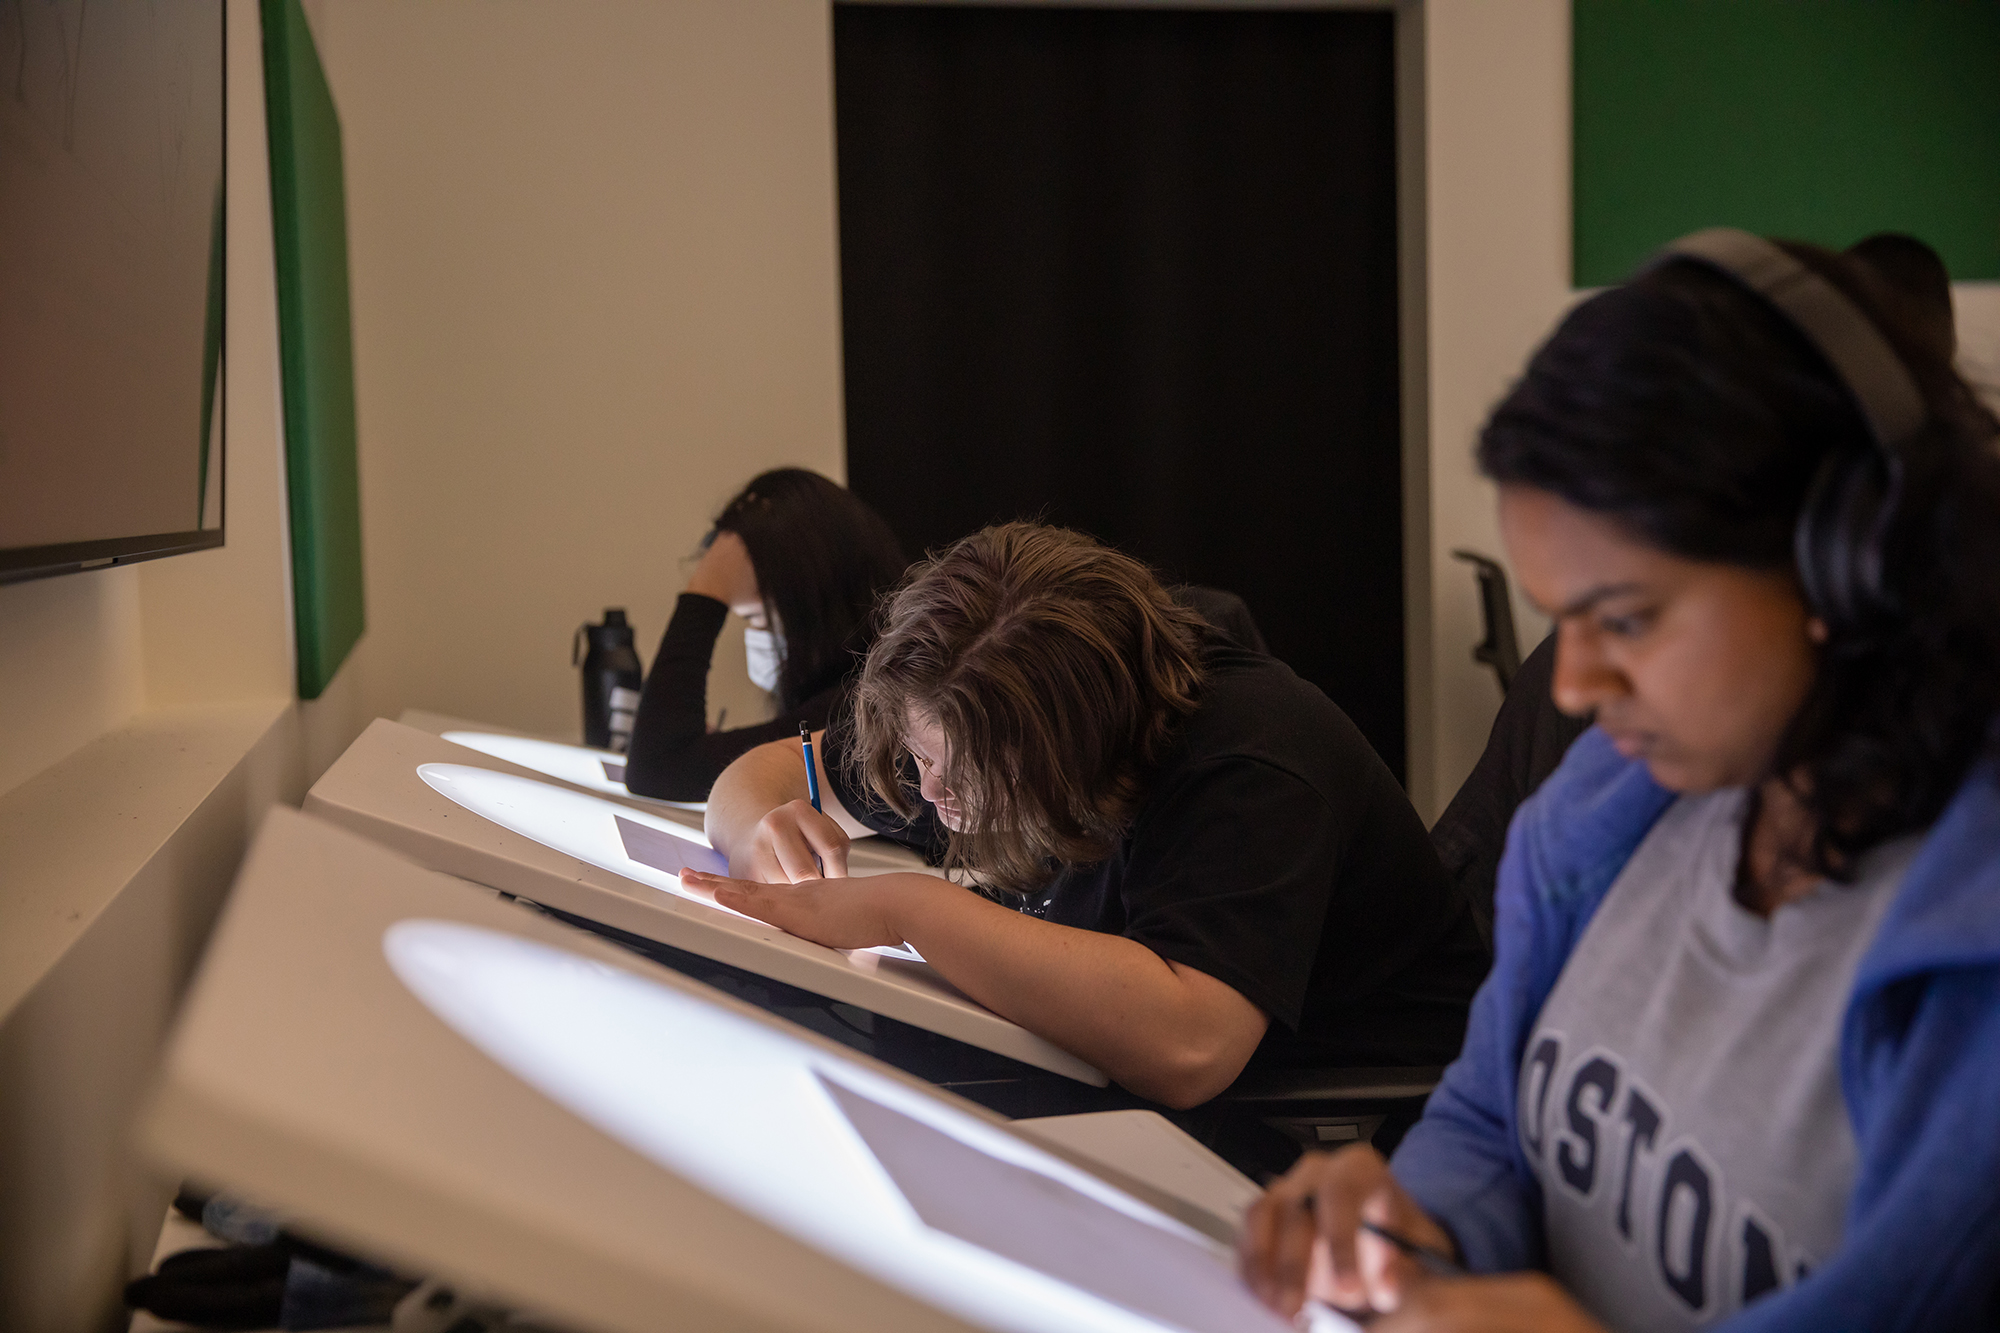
x=23 y=564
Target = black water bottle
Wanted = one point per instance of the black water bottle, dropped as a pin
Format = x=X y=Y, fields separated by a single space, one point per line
x=611 y=680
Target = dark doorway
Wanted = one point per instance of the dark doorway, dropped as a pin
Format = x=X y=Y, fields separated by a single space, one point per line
x=1134 y=271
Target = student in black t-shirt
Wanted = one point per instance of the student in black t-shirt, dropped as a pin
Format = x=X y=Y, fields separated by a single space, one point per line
x=1191 y=858
x=803 y=561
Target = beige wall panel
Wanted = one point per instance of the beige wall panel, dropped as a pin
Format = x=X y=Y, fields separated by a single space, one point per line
x=1498 y=140
x=595 y=289
x=1976 y=308
x=1497 y=125
x=105 y=919
x=218 y=624
x=70 y=667
x=146 y=722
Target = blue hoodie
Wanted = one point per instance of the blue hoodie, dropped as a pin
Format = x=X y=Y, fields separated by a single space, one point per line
x=1919 y=1061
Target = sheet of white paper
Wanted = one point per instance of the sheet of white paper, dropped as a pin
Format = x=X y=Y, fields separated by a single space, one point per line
x=593 y=830
x=1041 y=1223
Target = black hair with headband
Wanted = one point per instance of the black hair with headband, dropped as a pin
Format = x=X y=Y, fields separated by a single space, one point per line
x=1842 y=529
x=1771 y=405
x=822 y=558
x=1919 y=282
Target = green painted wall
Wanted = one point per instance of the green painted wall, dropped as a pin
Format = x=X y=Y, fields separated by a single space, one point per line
x=1822 y=120
x=316 y=348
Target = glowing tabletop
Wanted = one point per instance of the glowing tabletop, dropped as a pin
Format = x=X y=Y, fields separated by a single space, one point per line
x=480 y=818
x=443 y=1082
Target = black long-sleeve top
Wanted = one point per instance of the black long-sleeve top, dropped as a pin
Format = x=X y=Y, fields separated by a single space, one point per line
x=674 y=756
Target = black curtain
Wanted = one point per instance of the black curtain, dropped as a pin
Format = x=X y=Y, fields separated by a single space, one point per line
x=1134 y=271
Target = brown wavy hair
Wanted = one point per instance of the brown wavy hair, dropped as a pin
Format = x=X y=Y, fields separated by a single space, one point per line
x=1058 y=670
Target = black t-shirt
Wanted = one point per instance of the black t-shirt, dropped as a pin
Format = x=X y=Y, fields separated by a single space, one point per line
x=673 y=755
x=1275 y=851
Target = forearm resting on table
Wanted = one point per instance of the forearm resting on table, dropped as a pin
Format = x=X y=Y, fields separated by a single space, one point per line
x=1160 y=1029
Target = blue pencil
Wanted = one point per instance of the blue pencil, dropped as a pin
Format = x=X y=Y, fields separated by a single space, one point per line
x=812 y=775
x=812 y=779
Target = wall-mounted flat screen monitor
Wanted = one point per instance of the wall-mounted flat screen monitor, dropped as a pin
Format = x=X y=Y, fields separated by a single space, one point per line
x=111 y=282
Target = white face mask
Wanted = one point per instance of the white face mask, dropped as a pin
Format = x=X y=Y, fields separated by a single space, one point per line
x=766 y=653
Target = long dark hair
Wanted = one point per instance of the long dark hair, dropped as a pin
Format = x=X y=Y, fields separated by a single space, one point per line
x=822 y=558
x=1686 y=409
x=1058 y=669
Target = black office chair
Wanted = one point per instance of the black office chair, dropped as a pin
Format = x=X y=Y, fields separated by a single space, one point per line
x=1499 y=649
x=1302 y=1109
x=1331 y=1108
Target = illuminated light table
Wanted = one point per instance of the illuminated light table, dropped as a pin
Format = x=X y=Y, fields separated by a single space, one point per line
x=451 y=1085
x=441 y=1082
x=613 y=865
x=600 y=771
x=603 y=772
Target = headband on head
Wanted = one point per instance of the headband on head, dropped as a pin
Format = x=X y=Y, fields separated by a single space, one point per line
x=1844 y=334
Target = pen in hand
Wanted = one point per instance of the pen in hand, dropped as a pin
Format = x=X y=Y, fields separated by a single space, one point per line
x=812 y=781
x=1435 y=1262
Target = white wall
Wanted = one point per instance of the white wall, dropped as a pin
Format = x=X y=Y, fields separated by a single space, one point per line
x=146 y=722
x=1976 y=310
x=83 y=654
x=1497 y=110
x=1497 y=169
x=596 y=287
x=594 y=258
x=595 y=290
x=70 y=666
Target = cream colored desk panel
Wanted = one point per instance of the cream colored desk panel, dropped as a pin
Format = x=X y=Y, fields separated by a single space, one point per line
x=446 y=1083
x=376 y=790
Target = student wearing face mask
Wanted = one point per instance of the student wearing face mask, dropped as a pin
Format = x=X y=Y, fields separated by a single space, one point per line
x=802 y=560
x=1738 y=1063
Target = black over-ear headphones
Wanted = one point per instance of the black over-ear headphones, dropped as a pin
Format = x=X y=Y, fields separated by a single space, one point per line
x=1838 y=543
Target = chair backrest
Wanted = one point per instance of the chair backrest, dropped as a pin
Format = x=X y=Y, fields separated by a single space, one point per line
x=1499 y=649
x=1331 y=1108
x=1529 y=738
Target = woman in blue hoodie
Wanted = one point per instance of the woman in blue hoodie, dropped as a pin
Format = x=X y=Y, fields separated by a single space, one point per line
x=1738 y=1062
